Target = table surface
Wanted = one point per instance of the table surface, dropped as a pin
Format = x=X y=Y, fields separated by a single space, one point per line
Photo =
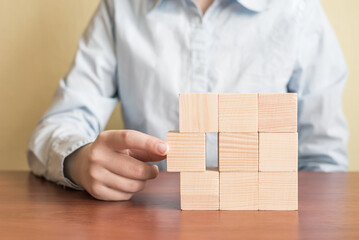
x=32 y=208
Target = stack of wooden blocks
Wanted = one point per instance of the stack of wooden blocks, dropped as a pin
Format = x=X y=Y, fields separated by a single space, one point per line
x=257 y=151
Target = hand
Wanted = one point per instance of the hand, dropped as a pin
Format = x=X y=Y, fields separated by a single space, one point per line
x=114 y=166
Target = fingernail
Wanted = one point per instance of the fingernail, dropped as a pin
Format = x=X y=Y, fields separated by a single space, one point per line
x=162 y=148
x=156 y=167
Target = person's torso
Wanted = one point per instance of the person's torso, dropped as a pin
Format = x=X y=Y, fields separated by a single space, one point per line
x=169 y=48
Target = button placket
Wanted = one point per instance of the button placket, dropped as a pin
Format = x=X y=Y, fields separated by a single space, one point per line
x=199 y=58
x=200 y=42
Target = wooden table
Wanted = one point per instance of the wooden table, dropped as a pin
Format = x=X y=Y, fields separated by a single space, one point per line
x=32 y=208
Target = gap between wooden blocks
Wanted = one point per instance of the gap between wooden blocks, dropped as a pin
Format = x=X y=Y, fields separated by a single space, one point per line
x=257 y=151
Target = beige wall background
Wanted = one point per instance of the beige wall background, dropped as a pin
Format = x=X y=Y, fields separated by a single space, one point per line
x=38 y=39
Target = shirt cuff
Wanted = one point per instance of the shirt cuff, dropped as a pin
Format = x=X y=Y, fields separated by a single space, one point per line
x=60 y=150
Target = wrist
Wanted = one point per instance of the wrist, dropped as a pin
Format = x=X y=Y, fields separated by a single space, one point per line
x=73 y=165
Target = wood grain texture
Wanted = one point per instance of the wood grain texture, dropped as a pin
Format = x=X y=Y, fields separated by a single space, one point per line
x=200 y=190
x=277 y=112
x=238 y=152
x=238 y=112
x=33 y=208
x=187 y=151
x=278 y=191
x=238 y=190
x=278 y=152
x=198 y=112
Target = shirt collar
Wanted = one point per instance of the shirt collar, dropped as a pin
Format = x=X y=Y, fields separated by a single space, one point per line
x=252 y=5
x=154 y=4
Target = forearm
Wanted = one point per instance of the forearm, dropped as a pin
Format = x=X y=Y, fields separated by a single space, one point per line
x=52 y=141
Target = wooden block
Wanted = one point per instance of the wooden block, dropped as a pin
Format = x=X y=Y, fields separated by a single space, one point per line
x=278 y=191
x=200 y=190
x=187 y=152
x=238 y=112
x=277 y=112
x=198 y=112
x=238 y=190
x=238 y=152
x=278 y=152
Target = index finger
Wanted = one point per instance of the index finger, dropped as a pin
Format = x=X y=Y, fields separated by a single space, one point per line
x=130 y=139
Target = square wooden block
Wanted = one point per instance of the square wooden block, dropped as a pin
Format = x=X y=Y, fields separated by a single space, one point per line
x=277 y=112
x=278 y=191
x=278 y=152
x=238 y=190
x=187 y=152
x=238 y=152
x=198 y=112
x=200 y=190
x=238 y=112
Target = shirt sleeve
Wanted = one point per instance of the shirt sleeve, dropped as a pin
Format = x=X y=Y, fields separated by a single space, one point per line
x=319 y=78
x=83 y=102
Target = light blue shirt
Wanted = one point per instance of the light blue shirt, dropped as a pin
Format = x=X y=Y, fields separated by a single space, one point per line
x=145 y=52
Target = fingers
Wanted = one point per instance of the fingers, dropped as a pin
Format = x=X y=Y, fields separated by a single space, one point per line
x=119 y=183
x=129 y=139
x=145 y=156
x=129 y=167
x=115 y=164
x=102 y=192
x=105 y=185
